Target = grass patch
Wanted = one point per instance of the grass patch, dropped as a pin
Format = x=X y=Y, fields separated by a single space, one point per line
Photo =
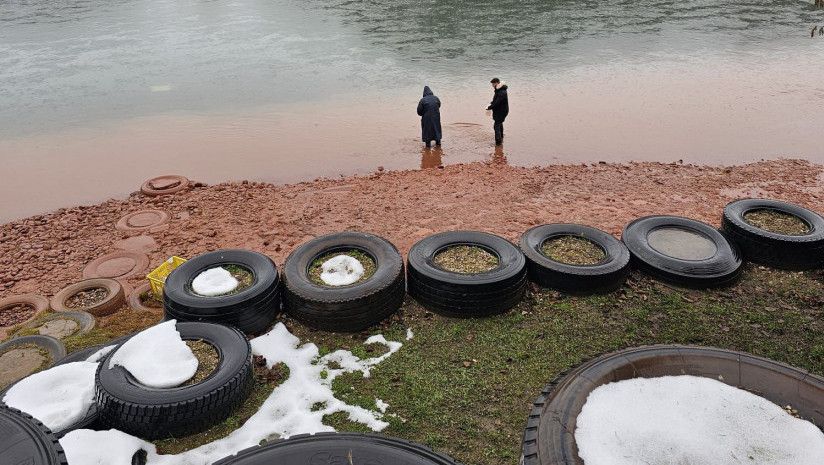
x=10 y=359
x=465 y=259
x=316 y=267
x=573 y=250
x=777 y=222
x=124 y=321
x=148 y=299
x=266 y=380
x=465 y=386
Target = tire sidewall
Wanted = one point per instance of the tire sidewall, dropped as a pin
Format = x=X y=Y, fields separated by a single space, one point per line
x=724 y=263
x=226 y=340
x=616 y=253
x=511 y=260
x=177 y=291
x=734 y=216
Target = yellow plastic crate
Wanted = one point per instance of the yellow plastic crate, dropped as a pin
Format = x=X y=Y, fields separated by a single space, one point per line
x=158 y=277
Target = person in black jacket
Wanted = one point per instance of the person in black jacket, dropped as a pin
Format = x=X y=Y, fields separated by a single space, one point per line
x=430 y=113
x=500 y=108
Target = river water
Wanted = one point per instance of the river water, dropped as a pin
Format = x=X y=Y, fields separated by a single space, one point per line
x=98 y=95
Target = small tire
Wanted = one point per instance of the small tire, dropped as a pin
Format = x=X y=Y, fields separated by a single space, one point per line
x=25 y=440
x=110 y=304
x=466 y=295
x=152 y=413
x=171 y=184
x=783 y=251
x=602 y=277
x=720 y=267
x=549 y=437
x=53 y=346
x=252 y=310
x=134 y=299
x=37 y=302
x=348 y=308
x=338 y=448
x=84 y=320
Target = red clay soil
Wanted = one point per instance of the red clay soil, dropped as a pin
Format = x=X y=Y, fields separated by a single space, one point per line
x=42 y=254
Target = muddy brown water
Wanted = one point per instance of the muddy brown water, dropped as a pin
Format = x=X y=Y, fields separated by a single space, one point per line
x=99 y=97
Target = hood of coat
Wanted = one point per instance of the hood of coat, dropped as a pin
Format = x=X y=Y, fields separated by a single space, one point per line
x=501 y=86
x=427 y=91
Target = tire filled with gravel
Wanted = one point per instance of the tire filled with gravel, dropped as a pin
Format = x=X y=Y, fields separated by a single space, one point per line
x=496 y=289
x=799 y=249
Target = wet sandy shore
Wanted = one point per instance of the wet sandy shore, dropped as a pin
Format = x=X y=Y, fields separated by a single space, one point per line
x=42 y=254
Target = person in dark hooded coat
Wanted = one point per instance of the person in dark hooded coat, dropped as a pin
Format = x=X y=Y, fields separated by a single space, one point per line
x=429 y=109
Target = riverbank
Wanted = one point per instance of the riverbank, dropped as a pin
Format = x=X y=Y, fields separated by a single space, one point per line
x=44 y=253
x=461 y=386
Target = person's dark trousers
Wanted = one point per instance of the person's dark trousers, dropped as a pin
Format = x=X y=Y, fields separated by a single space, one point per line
x=499 y=132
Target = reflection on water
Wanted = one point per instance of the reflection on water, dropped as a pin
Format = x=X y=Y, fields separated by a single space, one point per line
x=498 y=157
x=431 y=157
x=99 y=95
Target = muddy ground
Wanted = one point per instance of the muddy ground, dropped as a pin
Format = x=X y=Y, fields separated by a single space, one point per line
x=44 y=253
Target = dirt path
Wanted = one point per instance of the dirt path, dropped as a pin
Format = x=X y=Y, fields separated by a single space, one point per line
x=44 y=253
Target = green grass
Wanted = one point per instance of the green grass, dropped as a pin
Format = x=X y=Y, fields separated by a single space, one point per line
x=465 y=387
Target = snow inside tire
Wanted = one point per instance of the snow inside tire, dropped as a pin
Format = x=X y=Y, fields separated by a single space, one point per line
x=252 y=310
x=152 y=413
x=549 y=438
x=348 y=308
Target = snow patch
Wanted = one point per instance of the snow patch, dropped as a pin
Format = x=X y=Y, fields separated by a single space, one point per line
x=112 y=447
x=101 y=354
x=382 y=406
x=409 y=334
x=341 y=270
x=690 y=420
x=214 y=281
x=287 y=411
x=58 y=397
x=157 y=357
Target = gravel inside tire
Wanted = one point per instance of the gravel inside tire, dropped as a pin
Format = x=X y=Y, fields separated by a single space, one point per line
x=153 y=413
x=134 y=299
x=26 y=441
x=602 y=277
x=466 y=295
x=252 y=310
x=717 y=265
x=549 y=438
x=37 y=302
x=110 y=304
x=338 y=448
x=348 y=308
x=782 y=251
